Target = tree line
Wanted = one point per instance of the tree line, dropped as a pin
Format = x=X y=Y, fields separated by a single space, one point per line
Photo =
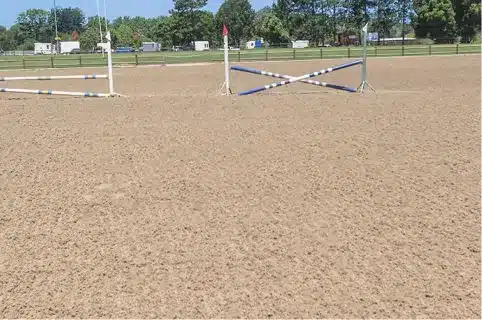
x=319 y=21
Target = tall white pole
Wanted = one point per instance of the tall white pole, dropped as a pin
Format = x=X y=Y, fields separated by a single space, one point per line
x=100 y=27
x=109 y=64
x=55 y=18
x=105 y=17
x=226 y=65
x=56 y=28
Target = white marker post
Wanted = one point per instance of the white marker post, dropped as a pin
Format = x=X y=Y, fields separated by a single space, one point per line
x=226 y=60
x=109 y=64
x=364 y=82
x=226 y=84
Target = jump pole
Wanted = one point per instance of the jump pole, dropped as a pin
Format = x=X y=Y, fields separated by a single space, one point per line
x=84 y=77
x=302 y=77
x=58 y=93
x=283 y=76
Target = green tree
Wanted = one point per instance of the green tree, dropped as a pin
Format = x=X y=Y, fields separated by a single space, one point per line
x=146 y=28
x=386 y=17
x=396 y=30
x=27 y=45
x=164 y=32
x=358 y=13
x=310 y=20
x=334 y=7
x=124 y=35
x=142 y=26
x=467 y=17
x=258 y=18
x=7 y=40
x=238 y=16
x=204 y=26
x=68 y=20
x=184 y=6
x=89 y=38
x=34 y=24
x=404 y=11
x=283 y=9
x=435 y=19
x=184 y=14
x=272 y=29
x=93 y=22
x=153 y=27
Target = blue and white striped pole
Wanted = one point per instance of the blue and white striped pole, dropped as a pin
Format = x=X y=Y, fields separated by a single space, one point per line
x=283 y=76
x=61 y=93
x=296 y=79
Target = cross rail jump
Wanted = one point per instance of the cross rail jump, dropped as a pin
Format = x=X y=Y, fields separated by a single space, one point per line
x=305 y=78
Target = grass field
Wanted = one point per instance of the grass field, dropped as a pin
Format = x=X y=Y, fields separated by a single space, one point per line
x=92 y=60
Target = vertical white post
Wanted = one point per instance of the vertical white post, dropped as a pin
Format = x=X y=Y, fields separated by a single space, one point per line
x=364 y=81
x=364 y=43
x=109 y=63
x=105 y=16
x=100 y=28
x=226 y=65
x=57 y=39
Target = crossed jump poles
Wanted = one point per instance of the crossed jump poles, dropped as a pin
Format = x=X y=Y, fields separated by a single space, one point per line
x=302 y=78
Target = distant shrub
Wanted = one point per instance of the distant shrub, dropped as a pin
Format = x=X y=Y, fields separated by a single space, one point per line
x=426 y=41
x=477 y=38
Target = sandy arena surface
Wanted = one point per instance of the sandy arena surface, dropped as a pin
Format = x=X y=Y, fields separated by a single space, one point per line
x=299 y=202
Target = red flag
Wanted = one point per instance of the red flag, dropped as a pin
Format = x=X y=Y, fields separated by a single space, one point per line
x=225 y=30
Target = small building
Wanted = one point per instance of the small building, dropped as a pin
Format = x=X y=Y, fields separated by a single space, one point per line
x=300 y=44
x=201 y=45
x=103 y=46
x=254 y=44
x=151 y=46
x=44 y=48
x=68 y=46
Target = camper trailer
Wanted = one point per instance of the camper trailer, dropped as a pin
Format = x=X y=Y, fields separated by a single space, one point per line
x=44 y=48
x=68 y=46
x=201 y=45
x=151 y=46
x=102 y=47
x=300 y=44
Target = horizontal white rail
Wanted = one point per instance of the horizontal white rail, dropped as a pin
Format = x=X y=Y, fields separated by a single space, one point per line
x=62 y=93
x=83 y=77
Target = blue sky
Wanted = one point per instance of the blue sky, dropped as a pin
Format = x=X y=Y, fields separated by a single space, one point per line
x=115 y=8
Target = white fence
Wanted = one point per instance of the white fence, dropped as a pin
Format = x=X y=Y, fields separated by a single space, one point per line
x=18 y=53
